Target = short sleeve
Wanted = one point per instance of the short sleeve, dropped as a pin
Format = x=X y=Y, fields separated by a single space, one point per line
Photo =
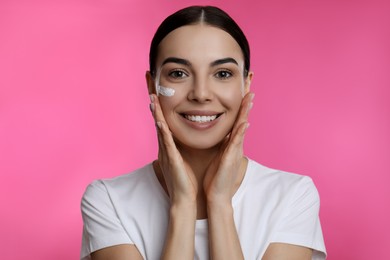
x=300 y=224
x=102 y=227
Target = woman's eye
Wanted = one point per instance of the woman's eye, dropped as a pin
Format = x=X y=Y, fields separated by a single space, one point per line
x=223 y=74
x=177 y=74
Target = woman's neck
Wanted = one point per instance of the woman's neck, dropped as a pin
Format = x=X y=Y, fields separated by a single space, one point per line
x=198 y=159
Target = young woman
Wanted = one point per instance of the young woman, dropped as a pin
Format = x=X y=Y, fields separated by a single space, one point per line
x=202 y=198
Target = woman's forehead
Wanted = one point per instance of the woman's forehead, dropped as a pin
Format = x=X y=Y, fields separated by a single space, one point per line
x=199 y=42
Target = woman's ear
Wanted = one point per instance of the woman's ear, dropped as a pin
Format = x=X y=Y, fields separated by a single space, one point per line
x=150 y=83
x=248 y=81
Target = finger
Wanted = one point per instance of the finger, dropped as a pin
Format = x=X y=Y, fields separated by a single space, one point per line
x=163 y=154
x=166 y=135
x=243 y=113
x=162 y=151
x=166 y=138
x=236 y=143
x=156 y=109
x=246 y=105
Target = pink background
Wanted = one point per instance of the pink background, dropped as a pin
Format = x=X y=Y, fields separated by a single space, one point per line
x=74 y=108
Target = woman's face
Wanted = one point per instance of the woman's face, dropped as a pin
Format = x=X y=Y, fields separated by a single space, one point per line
x=204 y=65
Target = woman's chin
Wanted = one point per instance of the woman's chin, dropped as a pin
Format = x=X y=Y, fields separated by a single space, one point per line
x=199 y=144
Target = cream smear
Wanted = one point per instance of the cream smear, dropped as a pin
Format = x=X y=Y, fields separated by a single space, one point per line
x=164 y=91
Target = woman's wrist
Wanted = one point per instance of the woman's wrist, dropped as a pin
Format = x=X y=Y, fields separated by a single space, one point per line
x=220 y=209
x=183 y=209
x=219 y=202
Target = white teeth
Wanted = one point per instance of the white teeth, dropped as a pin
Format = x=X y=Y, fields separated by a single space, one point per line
x=200 y=119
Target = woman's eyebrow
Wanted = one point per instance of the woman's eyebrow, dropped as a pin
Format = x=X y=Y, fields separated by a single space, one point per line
x=223 y=61
x=177 y=60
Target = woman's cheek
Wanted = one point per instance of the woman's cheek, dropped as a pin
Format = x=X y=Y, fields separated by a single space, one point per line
x=232 y=99
x=167 y=105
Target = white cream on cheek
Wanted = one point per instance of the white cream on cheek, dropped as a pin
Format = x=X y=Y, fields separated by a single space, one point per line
x=166 y=92
x=161 y=90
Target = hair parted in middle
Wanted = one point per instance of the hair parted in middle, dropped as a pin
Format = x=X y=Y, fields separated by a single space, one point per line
x=209 y=15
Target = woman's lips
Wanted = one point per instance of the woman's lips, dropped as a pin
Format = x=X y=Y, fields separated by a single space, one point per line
x=201 y=120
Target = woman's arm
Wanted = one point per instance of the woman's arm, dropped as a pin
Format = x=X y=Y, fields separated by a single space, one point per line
x=280 y=251
x=179 y=242
x=180 y=239
x=224 y=242
x=119 y=252
x=182 y=188
x=221 y=182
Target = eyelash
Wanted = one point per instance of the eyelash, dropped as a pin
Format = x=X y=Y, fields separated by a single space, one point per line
x=173 y=72
x=228 y=72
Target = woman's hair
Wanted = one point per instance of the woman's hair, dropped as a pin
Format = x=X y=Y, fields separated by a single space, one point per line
x=209 y=15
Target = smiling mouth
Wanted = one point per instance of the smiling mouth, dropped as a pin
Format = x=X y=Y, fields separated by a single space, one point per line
x=201 y=119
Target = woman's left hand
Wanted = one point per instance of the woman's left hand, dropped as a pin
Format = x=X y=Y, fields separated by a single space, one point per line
x=223 y=175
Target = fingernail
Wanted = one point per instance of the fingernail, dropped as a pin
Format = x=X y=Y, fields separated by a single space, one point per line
x=151 y=98
x=243 y=130
x=249 y=107
x=159 y=125
x=151 y=107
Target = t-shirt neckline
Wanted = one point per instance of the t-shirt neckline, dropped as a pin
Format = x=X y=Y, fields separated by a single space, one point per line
x=235 y=198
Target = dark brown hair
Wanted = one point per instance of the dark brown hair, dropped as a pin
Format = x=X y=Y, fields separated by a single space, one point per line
x=195 y=14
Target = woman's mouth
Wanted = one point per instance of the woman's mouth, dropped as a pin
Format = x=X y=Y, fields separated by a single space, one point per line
x=200 y=119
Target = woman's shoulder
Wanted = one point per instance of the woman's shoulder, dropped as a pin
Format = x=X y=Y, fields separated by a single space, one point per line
x=260 y=175
x=140 y=177
x=272 y=188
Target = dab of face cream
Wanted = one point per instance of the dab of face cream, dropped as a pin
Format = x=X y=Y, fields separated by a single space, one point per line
x=167 y=92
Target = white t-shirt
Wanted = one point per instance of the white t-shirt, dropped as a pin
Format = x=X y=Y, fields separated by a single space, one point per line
x=269 y=206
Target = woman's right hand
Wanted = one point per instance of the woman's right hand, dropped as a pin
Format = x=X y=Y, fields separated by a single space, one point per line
x=179 y=179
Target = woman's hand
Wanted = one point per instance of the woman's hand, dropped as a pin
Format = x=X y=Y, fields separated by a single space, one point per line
x=179 y=178
x=222 y=179
x=223 y=175
x=182 y=188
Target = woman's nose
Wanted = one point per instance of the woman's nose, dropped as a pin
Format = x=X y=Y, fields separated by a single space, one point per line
x=200 y=92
